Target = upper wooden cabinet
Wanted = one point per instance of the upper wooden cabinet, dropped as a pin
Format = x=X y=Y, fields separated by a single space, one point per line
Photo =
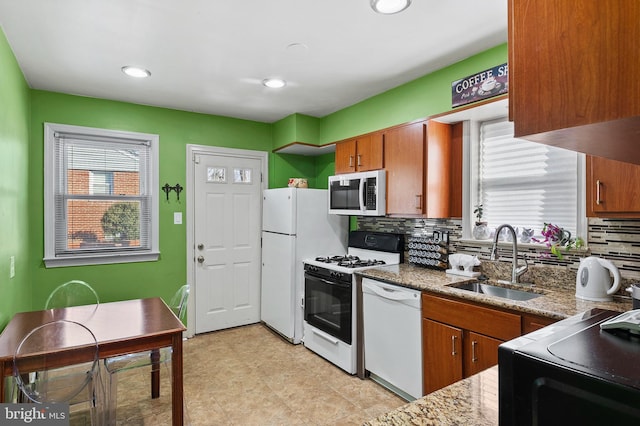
x=423 y=161
x=573 y=75
x=404 y=159
x=613 y=188
x=360 y=154
x=444 y=170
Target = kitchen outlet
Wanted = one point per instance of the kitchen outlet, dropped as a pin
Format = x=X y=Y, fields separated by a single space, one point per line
x=12 y=266
x=177 y=218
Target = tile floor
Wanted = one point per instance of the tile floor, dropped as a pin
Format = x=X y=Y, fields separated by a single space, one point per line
x=251 y=376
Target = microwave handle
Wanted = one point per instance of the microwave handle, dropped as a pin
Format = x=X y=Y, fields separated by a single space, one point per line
x=363 y=190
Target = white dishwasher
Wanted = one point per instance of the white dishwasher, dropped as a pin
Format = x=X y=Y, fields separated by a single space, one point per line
x=392 y=337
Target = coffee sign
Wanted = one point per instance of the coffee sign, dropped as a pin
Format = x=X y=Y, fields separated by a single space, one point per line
x=479 y=86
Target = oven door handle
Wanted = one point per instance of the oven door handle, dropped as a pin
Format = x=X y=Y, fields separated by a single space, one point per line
x=327 y=282
x=324 y=336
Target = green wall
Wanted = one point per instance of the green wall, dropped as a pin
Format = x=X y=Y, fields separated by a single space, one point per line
x=285 y=166
x=420 y=98
x=296 y=128
x=15 y=293
x=176 y=129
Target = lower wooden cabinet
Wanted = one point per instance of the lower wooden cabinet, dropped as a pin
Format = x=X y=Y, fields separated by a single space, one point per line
x=460 y=339
x=481 y=352
x=441 y=355
x=533 y=322
x=450 y=354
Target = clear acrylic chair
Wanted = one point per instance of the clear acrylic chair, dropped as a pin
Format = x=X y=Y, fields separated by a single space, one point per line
x=72 y=293
x=153 y=359
x=43 y=378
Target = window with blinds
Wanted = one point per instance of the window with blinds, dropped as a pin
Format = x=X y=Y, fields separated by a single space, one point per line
x=525 y=184
x=100 y=198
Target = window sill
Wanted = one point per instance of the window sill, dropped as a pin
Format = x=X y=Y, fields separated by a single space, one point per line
x=100 y=259
x=489 y=242
x=535 y=246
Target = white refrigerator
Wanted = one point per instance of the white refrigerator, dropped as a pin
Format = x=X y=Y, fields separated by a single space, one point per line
x=295 y=226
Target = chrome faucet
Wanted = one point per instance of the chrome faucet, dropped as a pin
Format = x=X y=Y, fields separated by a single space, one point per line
x=515 y=270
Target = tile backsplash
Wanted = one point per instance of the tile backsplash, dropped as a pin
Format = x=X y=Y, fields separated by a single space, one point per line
x=617 y=240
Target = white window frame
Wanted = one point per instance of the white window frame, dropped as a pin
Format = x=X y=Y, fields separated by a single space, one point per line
x=471 y=154
x=51 y=260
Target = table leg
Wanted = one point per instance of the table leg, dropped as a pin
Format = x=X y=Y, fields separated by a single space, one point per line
x=177 y=397
x=2 y=390
x=155 y=373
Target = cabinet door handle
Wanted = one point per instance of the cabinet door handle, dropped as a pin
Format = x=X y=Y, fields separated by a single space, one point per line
x=419 y=201
x=598 y=200
x=453 y=345
x=351 y=161
x=474 y=358
x=359 y=160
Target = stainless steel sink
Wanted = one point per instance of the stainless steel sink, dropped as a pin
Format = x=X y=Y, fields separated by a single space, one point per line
x=493 y=290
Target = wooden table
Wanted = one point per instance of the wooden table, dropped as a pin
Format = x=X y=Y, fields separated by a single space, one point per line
x=120 y=327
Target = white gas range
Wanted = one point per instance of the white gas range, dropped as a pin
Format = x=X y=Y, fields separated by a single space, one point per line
x=330 y=320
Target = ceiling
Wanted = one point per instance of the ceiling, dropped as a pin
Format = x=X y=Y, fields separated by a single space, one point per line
x=210 y=56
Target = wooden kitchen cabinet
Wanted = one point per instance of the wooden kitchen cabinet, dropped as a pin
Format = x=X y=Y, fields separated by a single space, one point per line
x=613 y=188
x=481 y=352
x=360 y=154
x=573 y=81
x=404 y=160
x=461 y=338
x=441 y=355
x=534 y=322
x=423 y=161
x=451 y=354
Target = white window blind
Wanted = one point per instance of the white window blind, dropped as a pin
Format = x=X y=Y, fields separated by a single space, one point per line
x=101 y=197
x=525 y=184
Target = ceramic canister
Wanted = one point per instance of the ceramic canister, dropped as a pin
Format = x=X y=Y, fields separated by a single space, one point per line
x=635 y=295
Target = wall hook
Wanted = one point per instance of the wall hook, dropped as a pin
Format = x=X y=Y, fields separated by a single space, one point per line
x=166 y=188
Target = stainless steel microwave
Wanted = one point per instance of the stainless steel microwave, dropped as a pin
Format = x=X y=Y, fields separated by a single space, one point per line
x=358 y=194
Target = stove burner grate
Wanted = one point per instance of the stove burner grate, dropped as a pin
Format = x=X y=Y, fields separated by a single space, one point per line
x=360 y=263
x=338 y=259
x=349 y=261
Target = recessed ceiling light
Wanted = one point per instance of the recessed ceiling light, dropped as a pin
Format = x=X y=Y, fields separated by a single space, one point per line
x=274 y=83
x=136 y=72
x=389 y=7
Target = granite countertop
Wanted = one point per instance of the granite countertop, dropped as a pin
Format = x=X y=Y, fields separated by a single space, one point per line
x=473 y=400
x=555 y=302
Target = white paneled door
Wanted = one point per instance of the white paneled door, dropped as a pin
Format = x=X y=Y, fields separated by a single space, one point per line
x=227 y=213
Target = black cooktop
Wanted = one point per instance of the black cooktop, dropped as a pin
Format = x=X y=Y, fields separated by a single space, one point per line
x=610 y=354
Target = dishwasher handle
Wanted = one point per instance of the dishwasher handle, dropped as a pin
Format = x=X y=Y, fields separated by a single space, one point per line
x=391 y=294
